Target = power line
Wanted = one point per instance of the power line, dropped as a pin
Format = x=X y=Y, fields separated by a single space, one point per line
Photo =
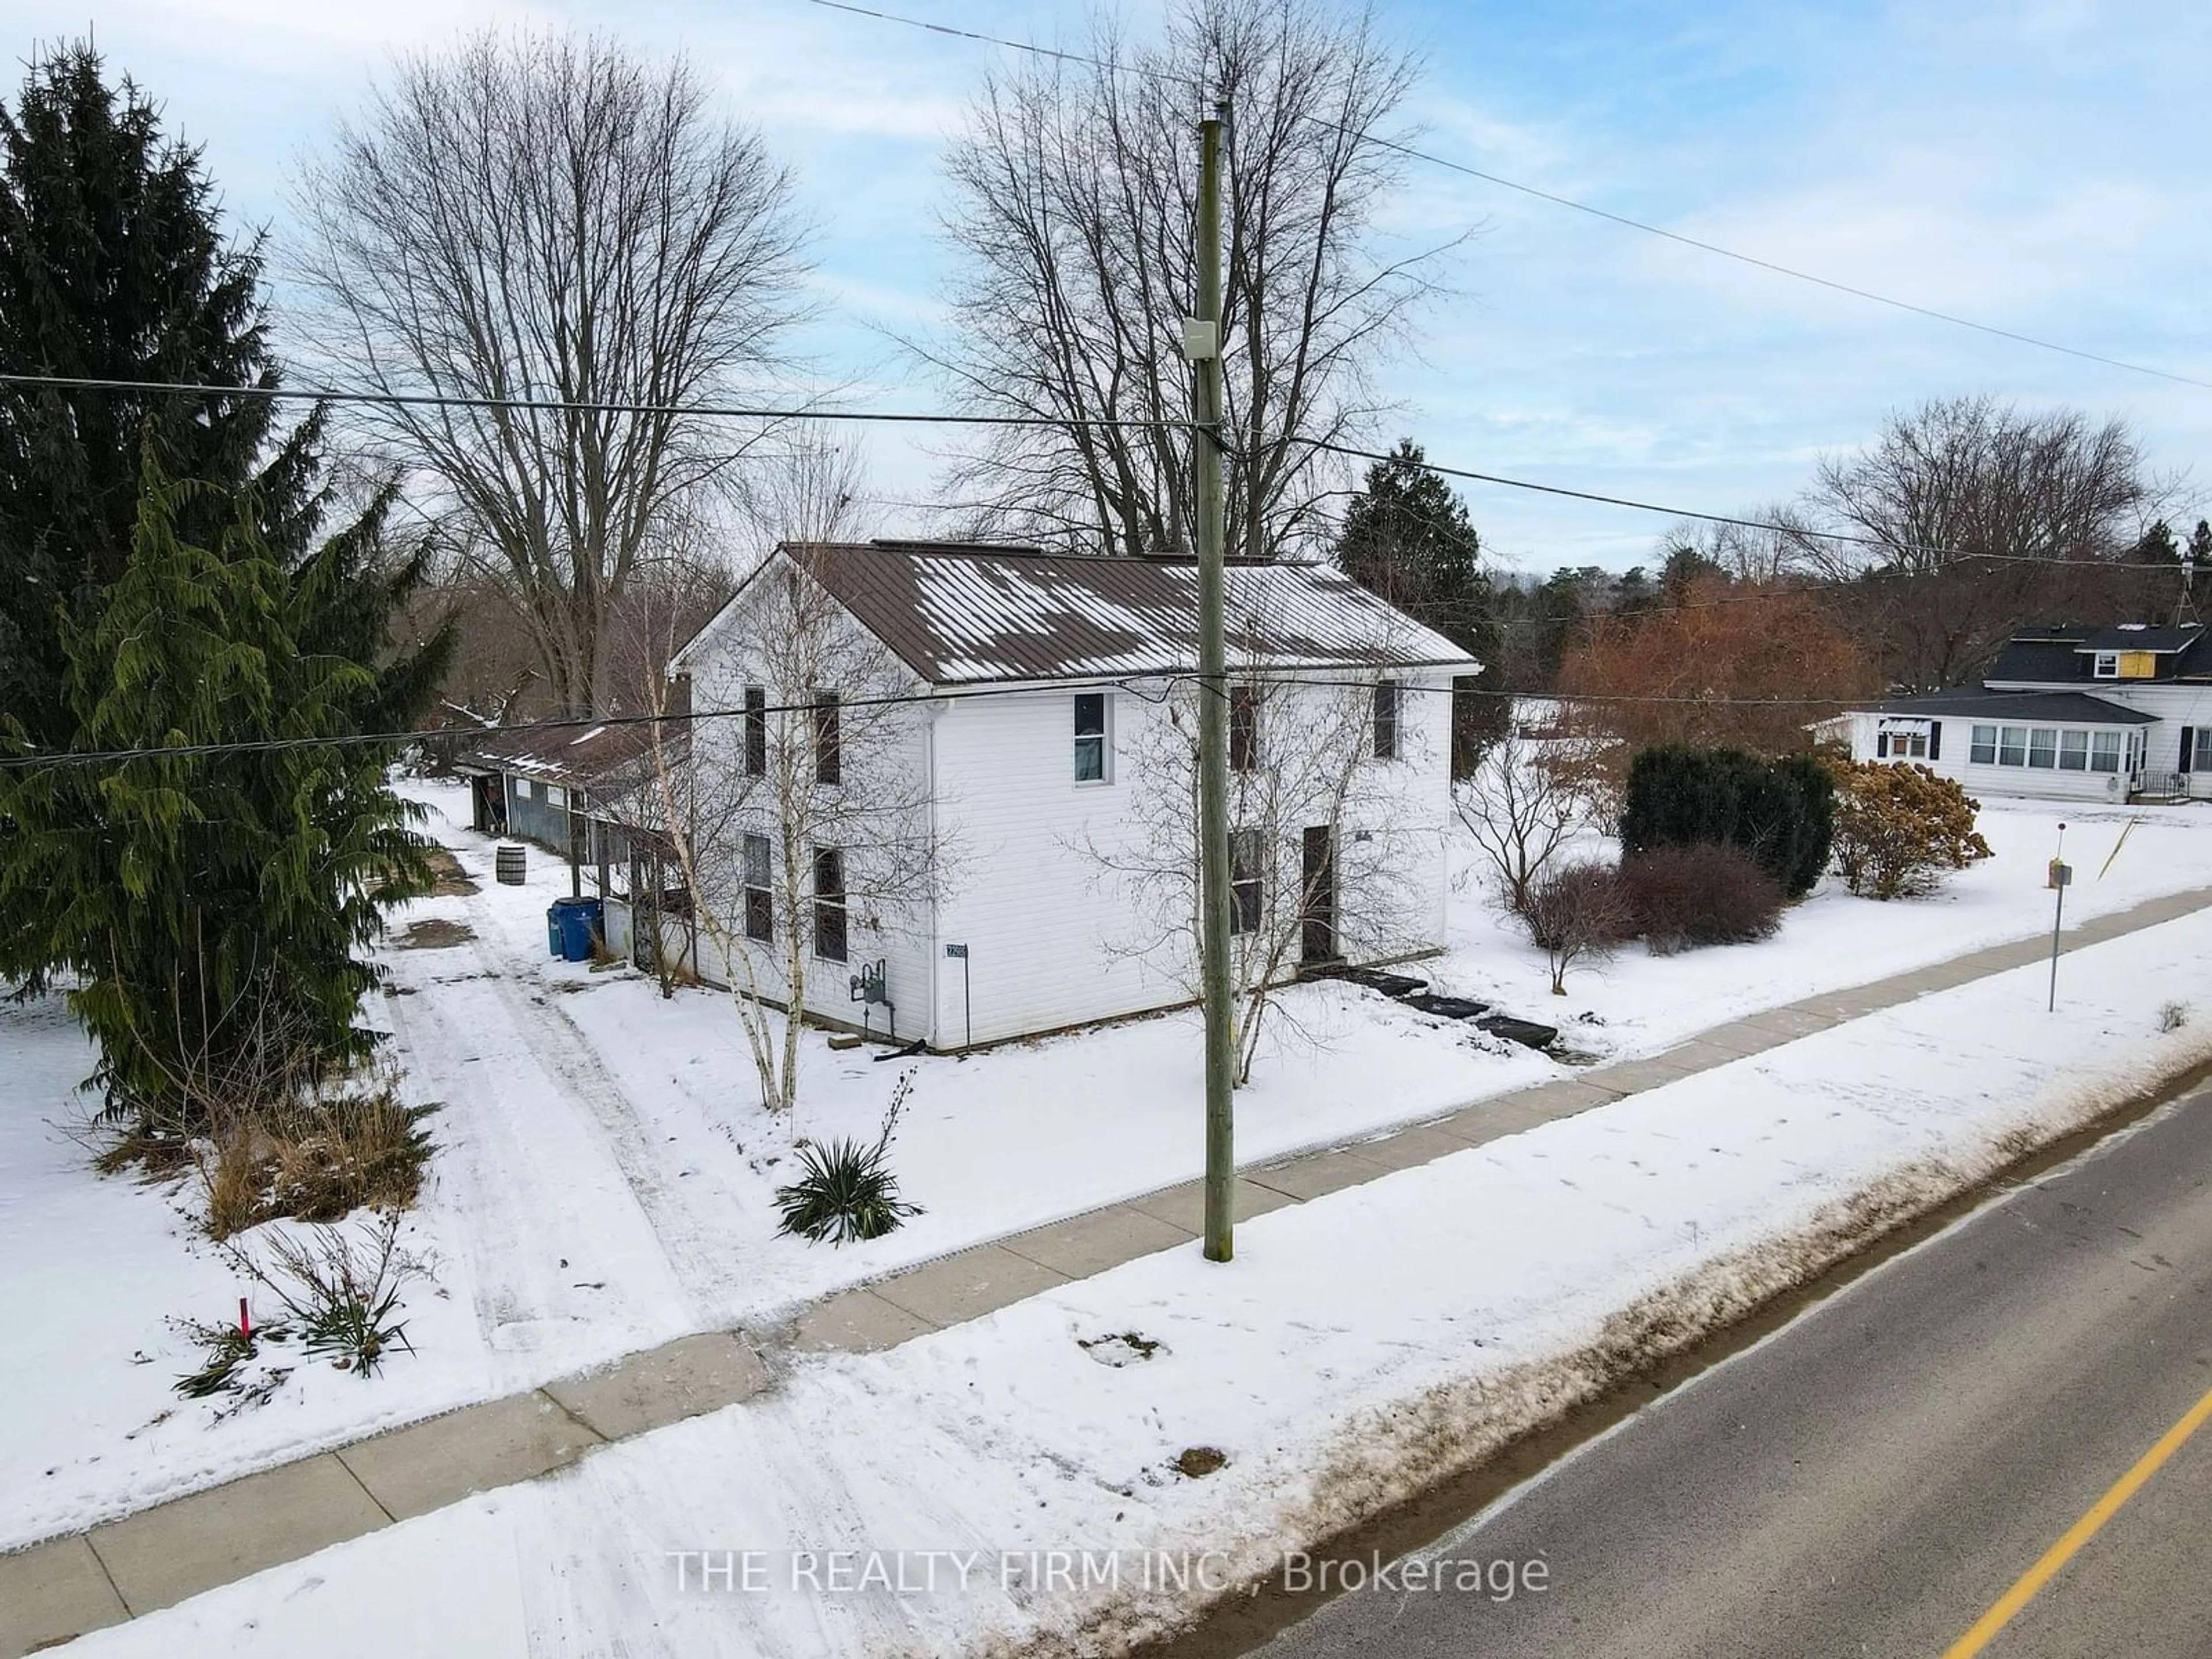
x=562 y=405
x=1414 y=153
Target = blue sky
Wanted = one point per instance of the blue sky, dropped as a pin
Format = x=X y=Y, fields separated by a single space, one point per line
x=2038 y=165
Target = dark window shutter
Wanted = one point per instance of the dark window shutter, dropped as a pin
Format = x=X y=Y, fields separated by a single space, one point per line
x=1935 y=740
x=1881 y=745
x=2188 y=748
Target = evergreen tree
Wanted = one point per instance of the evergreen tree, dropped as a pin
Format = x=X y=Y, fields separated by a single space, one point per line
x=211 y=906
x=2200 y=546
x=113 y=266
x=1407 y=537
x=170 y=585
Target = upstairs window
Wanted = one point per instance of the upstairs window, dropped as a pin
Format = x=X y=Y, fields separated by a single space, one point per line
x=760 y=907
x=829 y=749
x=756 y=731
x=1091 y=737
x=1243 y=728
x=1386 y=695
x=2107 y=666
x=828 y=905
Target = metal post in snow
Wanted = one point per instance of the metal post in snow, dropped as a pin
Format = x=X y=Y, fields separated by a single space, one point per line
x=2062 y=875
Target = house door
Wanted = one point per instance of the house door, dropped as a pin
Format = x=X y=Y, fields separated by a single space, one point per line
x=1317 y=914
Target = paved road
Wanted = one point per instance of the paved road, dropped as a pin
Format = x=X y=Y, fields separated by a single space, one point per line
x=1875 y=1477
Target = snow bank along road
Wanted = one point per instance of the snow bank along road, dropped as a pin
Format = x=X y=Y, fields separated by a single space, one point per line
x=1878 y=1476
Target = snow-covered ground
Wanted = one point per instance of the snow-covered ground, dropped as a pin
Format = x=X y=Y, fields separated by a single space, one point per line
x=606 y=1173
x=1358 y=1343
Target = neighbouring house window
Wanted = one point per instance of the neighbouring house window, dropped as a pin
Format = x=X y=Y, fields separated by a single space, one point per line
x=828 y=905
x=760 y=907
x=1387 y=698
x=2107 y=666
x=1091 y=737
x=1984 y=752
x=755 y=731
x=2138 y=666
x=2201 y=751
x=2073 y=751
x=829 y=748
x=1243 y=728
x=1902 y=742
x=1246 y=879
x=2103 y=752
x=2043 y=747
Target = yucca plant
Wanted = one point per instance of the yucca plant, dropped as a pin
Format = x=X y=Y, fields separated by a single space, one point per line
x=848 y=1191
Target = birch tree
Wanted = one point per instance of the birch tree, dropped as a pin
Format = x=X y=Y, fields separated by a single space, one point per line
x=550 y=218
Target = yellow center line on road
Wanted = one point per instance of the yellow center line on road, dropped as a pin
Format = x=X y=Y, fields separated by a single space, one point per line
x=1986 y=1627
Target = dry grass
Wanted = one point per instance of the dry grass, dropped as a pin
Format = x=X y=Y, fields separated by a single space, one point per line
x=318 y=1163
x=434 y=933
x=451 y=881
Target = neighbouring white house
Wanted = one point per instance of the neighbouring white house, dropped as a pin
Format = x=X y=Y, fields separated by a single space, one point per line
x=958 y=779
x=2066 y=712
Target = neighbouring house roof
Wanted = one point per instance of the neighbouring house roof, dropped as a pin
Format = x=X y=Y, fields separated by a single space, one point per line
x=2058 y=654
x=958 y=613
x=2043 y=708
x=2140 y=636
x=605 y=756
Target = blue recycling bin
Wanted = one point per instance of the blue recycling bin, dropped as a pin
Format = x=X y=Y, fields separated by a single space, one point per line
x=571 y=925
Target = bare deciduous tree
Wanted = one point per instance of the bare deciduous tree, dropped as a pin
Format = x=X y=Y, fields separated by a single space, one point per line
x=1074 y=193
x=1952 y=483
x=1525 y=801
x=550 y=219
x=801 y=823
x=1308 y=767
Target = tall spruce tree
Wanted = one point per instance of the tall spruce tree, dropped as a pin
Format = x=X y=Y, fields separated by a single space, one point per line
x=178 y=591
x=1407 y=537
x=113 y=266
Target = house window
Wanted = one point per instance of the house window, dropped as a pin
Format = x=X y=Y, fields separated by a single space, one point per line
x=2043 y=747
x=1386 y=695
x=755 y=731
x=760 y=908
x=2012 y=746
x=1091 y=737
x=2201 y=750
x=2103 y=752
x=1243 y=728
x=829 y=749
x=2107 y=666
x=1984 y=750
x=1902 y=742
x=2073 y=751
x=1247 y=880
x=828 y=905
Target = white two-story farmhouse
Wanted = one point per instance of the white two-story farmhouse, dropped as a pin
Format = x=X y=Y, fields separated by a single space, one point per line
x=960 y=779
x=2065 y=711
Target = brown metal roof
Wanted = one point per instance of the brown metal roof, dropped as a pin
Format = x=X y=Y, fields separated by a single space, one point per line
x=959 y=613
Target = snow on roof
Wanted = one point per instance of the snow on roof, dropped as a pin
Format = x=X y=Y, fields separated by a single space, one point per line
x=958 y=613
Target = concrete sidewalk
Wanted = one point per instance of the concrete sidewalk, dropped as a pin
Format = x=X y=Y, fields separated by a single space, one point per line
x=159 y=1555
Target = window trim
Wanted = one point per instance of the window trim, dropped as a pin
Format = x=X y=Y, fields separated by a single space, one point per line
x=831 y=902
x=755 y=731
x=2105 y=750
x=1982 y=751
x=1247 y=882
x=1389 y=720
x=2105 y=666
x=829 y=737
x=1243 y=726
x=759 y=896
x=1102 y=740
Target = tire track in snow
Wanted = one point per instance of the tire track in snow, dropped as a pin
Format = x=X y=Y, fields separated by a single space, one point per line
x=690 y=1215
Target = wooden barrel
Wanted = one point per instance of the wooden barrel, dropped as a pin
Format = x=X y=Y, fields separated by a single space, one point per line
x=509 y=869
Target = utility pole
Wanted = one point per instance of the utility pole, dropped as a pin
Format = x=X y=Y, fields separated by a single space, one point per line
x=1202 y=344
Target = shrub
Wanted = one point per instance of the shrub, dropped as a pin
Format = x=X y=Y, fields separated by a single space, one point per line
x=1898 y=827
x=318 y=1161
x=1698 y=894
x=1780 y=812
x=342 y=1290
x=1577 y=912
x=848 y=1191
